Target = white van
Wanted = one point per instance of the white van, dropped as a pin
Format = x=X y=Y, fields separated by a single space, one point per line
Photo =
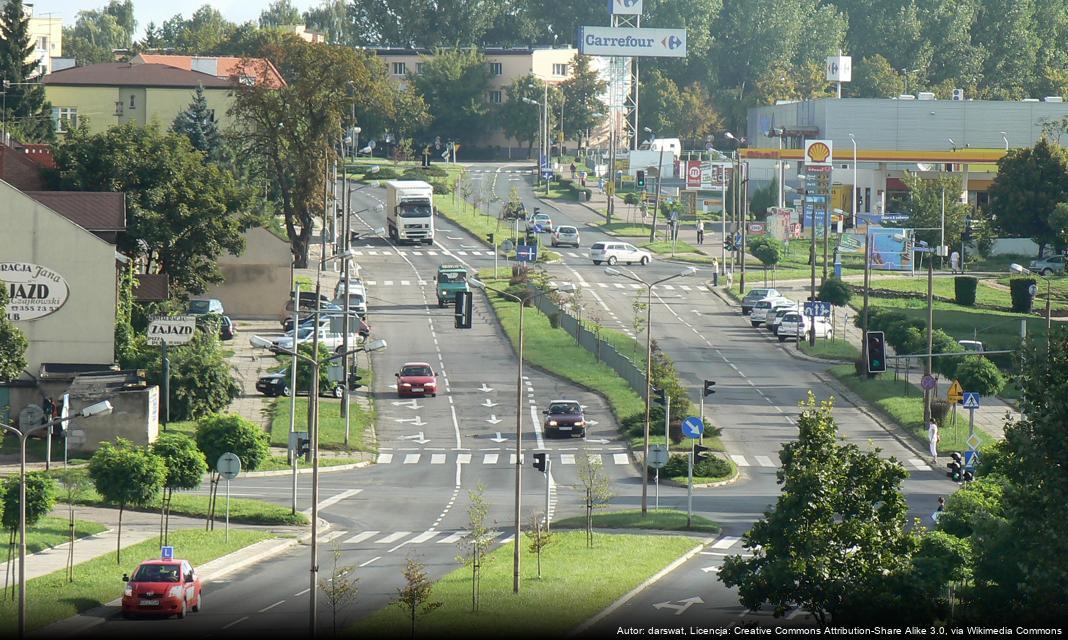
x=663 y=144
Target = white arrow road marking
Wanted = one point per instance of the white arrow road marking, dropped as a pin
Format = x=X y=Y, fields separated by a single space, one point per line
x=484 y=388
x=493 y=419
x=679 y=608
x=487 y=403
x=592 y=423
x=710 y=569
x=454 y=238
x=415 y=422
x=597 y=441
x=498 y=439
x=411 y=404
x=418 y=438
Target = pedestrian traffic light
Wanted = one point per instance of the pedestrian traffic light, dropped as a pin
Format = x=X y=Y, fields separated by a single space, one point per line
x=876 y=352
x=968 y=475
x=299 y=445
x=489 y=238
x=463 y=309
x=699 y=450
x=659 y=396
x=639 y=179
x=539 y=462
x=955 y=466
x=710 y=387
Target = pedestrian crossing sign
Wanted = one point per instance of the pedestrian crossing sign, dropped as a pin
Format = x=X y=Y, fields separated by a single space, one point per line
x=971 y=400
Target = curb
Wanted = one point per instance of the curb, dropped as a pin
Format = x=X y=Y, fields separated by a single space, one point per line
x=638 y=589
x=304 y=470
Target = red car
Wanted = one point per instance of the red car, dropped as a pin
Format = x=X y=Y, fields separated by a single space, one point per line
x=162 y=587
x=417 y=379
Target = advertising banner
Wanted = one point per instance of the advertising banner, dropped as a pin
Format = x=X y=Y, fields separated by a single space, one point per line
x=715 y=175
x=693 y=174
x=623 y=41
x=891 y=249
x=171 y=329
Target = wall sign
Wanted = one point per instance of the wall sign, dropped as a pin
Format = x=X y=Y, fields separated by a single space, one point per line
x=33 y=291
x=171 y=329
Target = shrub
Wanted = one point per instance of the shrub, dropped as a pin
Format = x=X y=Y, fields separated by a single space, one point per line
x=975 y=502
x=939 y=410
x=978 y=374
x=1019 y=289
x=915 y=341
x=384 y=173
x=942 y=342
x=216 y=434
x=899 y=337
x=767 y=249
x=964 y=290
x=703 y=467
x=835 y=291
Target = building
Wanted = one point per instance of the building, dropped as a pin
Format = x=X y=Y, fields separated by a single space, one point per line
x=256 y=71
x=46 y=35
x=257 y=283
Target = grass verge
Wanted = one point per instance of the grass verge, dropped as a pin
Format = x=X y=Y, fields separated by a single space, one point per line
x=665 y=247
x=831 y=350
x=576 y=584
x=51 y=532
x=97 y=581
x=277 y=463
x=663 y=520
x=907 y=411
x=331 y=424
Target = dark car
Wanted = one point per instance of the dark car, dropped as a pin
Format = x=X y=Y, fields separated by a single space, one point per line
x=277 y=384
x=565 y=417
x=227 y=330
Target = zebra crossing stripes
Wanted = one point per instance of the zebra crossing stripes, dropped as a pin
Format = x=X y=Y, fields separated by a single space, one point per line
x=490 y=458
x=424 y=537
x=764 y=461
x=620 y=458
x=740 y=460
x=411 y=458
x=384 y=458
x=360 y=537
x=437 y=458
x=919 y=464
x=567 y=458
x=393 y=537
x=769 y=462
x=375 y=537
x=496 y=458
x=453 y=537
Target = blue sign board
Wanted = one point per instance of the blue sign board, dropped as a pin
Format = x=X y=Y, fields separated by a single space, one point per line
x=526 y=253
x=543 y=162
x=166 y=553
x=818 y=308
x=971 y=457
x=693 y=427
x=971 y=400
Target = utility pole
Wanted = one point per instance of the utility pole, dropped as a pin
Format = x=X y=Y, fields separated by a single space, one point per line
x=656 y=199
x=812 y=289
x=930 y=337
x=744 y=197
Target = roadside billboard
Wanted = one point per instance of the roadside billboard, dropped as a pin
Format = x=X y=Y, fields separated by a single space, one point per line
x=891 y=249
x=625 y=42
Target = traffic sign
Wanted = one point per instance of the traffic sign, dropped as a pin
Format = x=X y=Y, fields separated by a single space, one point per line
x=1032 y=290
x=928 y=382
x=166 y=553
x=693 y=427
x=971 y=400
x=228 y=466
x=973 y=441
x=955 y=393
x=971 y=458
x=817 y=308
x=658 y=456
x=526 y=253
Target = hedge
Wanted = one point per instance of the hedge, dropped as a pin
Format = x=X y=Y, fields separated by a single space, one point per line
x=1019 y=289
x=964 y=290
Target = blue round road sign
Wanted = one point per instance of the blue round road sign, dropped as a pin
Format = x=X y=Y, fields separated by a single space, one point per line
x=693 y=427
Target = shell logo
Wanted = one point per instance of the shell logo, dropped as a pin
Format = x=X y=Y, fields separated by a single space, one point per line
x=818 y=152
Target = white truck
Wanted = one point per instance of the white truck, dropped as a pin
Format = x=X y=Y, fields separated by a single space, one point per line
x=410 y=211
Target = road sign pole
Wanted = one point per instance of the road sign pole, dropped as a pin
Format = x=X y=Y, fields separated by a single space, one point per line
x=495 y=258
x=689 y=488
x=656 y=506
x=226 y=535
x=548 y=463
x=971 y=422
x=166 y=385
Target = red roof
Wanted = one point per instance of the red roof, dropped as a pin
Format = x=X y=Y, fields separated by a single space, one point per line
x=227 y=67
x=124 y=74
x=93 y=210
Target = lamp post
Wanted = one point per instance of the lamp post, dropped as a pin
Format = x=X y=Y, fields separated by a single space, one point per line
x=689 y=271
x=1016 y=268
x=313 y=433
x=780 y=200
x=542 y=147
x=97 y=409
x=854 y=207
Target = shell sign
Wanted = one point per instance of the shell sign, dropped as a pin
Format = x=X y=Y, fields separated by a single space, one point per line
x=818 y=152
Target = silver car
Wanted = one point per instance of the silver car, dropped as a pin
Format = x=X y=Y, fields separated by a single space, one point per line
x=1049 y=265
x=566 y=235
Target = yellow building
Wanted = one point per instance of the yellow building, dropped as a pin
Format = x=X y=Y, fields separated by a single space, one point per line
x=114 y=93
x=46 y=36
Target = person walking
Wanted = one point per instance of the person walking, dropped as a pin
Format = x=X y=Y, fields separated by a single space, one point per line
x=954 y=261
x=700 y=232
x=572 y=170
x=941 y=508
x=932 y=439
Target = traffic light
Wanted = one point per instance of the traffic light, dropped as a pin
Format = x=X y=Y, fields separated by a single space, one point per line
x=489 y=238
x=299 y=445
x=639 y=180
x=710 y=387
x=956 y=468
x=660 y=396
x=698 y=450
x=59 y=430
x=876 y=352
x=539 y=462
x=968 y=476
x=463 y=309
x=354 y=379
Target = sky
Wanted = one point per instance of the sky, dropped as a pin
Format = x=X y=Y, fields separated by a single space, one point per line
x=157 y=11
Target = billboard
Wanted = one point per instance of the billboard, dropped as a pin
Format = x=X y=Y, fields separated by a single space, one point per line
x=625 y=7
x=623 y=41
x=891 y=249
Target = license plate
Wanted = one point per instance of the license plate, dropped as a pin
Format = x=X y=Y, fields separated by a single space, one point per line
x=149 y=603
x=564 y=428
x=417 y=388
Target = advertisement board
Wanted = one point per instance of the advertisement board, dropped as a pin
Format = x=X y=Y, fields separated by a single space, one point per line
x=818 y=153
x=715 y=175
x=33 y=291
x=693 y=174
x=171 y=329
x=623 y=41
x=625 y=7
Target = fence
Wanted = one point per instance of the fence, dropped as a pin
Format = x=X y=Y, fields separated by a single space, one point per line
x=588 y=340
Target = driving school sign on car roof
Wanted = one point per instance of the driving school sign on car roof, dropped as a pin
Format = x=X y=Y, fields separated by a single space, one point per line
x=622 y=41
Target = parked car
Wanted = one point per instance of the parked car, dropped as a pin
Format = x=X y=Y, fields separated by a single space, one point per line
x=780 y=311
x=613 y=252
x=763 y=307
x=1049 y=265
x=794 y=325
x=566 y=235
x=227 y=329
x=355 y=286
x=327 y=337
x=204 y=306
x=417 y=378
x=307 y=303
x=277 y=384
x=357 y=303
x=564 y=417
x=162 y=587
x=212 y=322
x=308 y=318
x=540 y=219
x=754 y=295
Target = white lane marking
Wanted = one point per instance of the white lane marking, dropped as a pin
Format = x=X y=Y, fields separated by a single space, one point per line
x=453 y=537
x=393 y=537
x=424 y=537
x=432 y=253
x=300 y=593
x=667 y=287
x=600 y=301
x=603 y=285
x=411 y=458
x=269 y=607
x=360 y=537
x=338 y=498
x=490 y=458
x=726 y=542
x=567 y=458
x=437 y=458
x=364 y=564
x=417 y=253
x=537 y=425
x=511 y=459
x=620 y=286
x=684 y=287
x=455 y=424
x=239 y=620
x=740 y=460
x=620 y=458
x=388 y=283
x=385 y=458
x=405 y=283
x=463 y=458
x=371 y=283
x=919 y=464
x=764 y=461
x=635 y=285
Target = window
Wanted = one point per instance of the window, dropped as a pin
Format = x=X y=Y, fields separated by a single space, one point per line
x=496 y=69
x=42 y=43
x=399 y=69
x=559 y=69
x=419 y=67
x=132 y=102
x=65 y=118
x=494 y=97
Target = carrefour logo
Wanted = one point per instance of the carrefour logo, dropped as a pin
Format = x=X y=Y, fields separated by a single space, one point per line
x=628 y=3
x=672 y=42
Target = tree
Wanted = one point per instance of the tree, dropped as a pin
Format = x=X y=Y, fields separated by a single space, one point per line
x=40 y=498
x=836 y=533
x=1028 y=187
x=835 y=291
x=697 y=116
x=476 y=543
x=979 y=374
x=13 y=344
x=924 y=206
x=96 y=34
x=332 y=18
x=874 y=77
x=181 y=213
x=582 y=100
x=518 y=119
x=229 y=433
x=597 y=491
x=539 y=536
x=341 y=588
x=1058 y=221
x=423 y=23
x=280 y=13
x=26 y=112
x=453 y=84
x=202 y=32
x=416 y=592
x=198 y=124
x=127 y=475
x=185 y=465
x=767 y=249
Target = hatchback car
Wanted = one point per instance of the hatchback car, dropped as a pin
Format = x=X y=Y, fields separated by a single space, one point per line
x=754 y=295
x=541 y=220
x=357 y=303
x=1049 y=265
x=204 y=306
x=764 y=309
x=566 y=235
x=564 y=417
x=162 y=588
x=795 y=325
x=417 y=379
x=277 y=384
x=773 y=323
x=614 y=252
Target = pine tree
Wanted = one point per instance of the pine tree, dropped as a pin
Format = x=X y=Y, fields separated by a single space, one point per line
x=26 y=113
x=197 y=124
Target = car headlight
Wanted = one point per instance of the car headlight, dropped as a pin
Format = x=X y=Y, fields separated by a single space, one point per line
x=128 y=591
x=552 y=423
x=580 y=423
x=406 y=384
x=175 y=591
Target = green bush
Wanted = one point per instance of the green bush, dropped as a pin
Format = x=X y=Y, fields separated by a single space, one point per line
x=767 y=249
x=975 y=502
x=220 y=433
x=942 y=342
x=704 y=467
x=979 y=374
x=835 y=291
x=964 y=290
x=384 y=173
x=1019 y=289
x=899 y=334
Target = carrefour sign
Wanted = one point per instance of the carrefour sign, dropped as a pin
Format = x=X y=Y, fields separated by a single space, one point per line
x=621 y=41
x=33 y=291
x=625 y=7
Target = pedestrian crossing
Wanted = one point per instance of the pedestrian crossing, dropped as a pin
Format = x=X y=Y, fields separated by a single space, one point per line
x=374 y=538
x=773 y=463
x=390 y=252
x=623 y=285
x=493 y=458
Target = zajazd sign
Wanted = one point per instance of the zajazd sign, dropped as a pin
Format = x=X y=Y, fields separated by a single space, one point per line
x=171 y=330
x=623 y=41
x=33 y=291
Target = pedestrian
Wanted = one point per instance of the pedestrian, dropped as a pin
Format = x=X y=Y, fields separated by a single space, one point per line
x=941 y=508
x=932 y=439
x=730 y=277
x=715 y=265
x=700 y=232
x=600 y=184
x=572 y=170
x=954 y=261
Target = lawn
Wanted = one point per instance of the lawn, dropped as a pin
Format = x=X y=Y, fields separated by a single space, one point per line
x=331 y=424
x=475 y=221
x=665 y=246
x=51 y=532
x=907 y=411
x=576 y=584
x=943 y=288
x=1058 y=293
x=831 y=350
x=276 y=463
x=98 y=581
x=663 y=520
x=627 y=229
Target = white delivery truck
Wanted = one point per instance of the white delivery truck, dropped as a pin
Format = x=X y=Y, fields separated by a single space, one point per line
x=410 y=211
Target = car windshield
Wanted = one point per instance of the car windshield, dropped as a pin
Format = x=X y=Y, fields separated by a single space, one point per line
x=446 y=276
x=415 y=210
x=199 y=306
x=597 y=246
x=565 y=231
x=157 y=573
x=564 y=408
x=416 y=370
x=791 y=317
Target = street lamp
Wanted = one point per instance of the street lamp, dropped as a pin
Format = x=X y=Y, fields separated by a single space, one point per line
x=688 y=271
x=854 y=207
x=566 y=287
x=313 y=429
x=779 y=175
x=96 y=409
x=1016 y=268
